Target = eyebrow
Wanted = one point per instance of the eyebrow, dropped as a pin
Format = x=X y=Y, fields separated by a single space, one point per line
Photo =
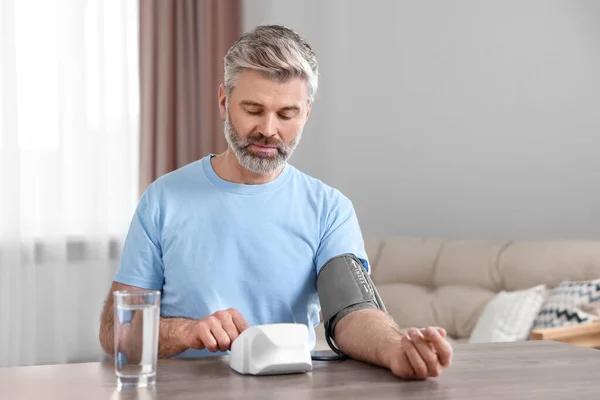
x=255 y=104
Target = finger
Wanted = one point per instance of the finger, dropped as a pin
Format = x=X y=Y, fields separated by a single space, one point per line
x=431 y=345
x=442 y=347
x=441 y=331
x=223 y=341
x=226 y=320
x=417 y=363
x=238 y=320
x=207 y=339
x=230 y=329
x=427 y=354
x=407 y=371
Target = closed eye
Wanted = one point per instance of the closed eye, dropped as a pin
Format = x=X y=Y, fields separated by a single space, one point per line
x=281 y=116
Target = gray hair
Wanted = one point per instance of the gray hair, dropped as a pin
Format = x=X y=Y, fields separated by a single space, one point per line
x=275 y=51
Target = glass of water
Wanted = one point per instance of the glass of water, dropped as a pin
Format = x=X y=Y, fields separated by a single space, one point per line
x=137 y=315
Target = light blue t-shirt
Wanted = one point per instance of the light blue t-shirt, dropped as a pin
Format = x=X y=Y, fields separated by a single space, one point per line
x=210 y=245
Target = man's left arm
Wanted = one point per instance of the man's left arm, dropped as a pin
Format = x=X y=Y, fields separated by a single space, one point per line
x=366 y=332
x=372 y=336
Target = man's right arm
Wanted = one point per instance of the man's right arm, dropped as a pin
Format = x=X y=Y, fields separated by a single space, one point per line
x=176 y=335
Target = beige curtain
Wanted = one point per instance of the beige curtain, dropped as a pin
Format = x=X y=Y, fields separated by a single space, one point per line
x=182 y=45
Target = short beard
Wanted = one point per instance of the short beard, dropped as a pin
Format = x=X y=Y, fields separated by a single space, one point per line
x=256 y=162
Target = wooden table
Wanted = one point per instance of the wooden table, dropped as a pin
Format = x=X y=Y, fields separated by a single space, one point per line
x=525 y=370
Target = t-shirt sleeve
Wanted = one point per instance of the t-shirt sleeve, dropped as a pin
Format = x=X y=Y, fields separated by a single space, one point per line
x=141 y=263
x=342 y=234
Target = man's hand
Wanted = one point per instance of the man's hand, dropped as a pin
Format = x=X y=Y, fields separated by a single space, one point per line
x=372 y=336
x=421 y=354
x=215 y=332
x=175 y=334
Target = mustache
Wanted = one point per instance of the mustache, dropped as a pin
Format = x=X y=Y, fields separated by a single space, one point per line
x=264 y=141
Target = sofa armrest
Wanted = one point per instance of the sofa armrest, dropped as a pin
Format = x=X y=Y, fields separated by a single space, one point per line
x=587 y=335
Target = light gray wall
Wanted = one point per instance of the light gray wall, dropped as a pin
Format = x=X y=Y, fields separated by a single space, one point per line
x=457 y=118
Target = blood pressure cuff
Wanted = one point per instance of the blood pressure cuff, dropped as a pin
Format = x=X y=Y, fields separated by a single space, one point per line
x=345 y=286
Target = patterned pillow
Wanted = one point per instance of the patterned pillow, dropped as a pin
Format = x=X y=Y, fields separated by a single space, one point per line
x=570 y=303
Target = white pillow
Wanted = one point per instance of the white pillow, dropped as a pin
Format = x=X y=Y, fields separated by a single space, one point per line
x=509 y=316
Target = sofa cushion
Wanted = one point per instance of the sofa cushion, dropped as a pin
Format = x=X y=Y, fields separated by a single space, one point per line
x=529 y=263
x=470 y=263
x=455 y=308
x=414 y=259
x=509 y=316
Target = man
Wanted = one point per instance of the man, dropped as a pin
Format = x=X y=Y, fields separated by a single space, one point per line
x=243 y=238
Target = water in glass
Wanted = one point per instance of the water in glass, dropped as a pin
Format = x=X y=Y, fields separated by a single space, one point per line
x=137 y=315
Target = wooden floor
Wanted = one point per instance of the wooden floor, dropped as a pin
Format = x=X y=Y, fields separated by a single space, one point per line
x=526 y=370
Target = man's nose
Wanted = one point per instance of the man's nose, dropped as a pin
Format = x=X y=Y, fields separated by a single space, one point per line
x=268 y=126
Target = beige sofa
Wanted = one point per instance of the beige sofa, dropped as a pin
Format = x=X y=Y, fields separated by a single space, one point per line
x=447 y=282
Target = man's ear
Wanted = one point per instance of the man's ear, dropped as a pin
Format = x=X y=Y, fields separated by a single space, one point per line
x=309 y=109
x=223 y=101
